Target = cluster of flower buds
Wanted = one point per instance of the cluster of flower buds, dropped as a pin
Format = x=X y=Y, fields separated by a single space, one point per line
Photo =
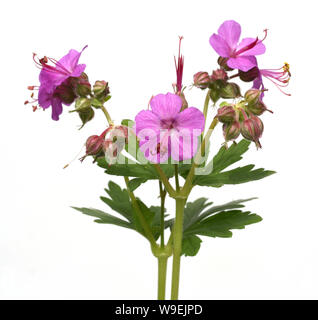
x=109 y=144
x=203 y=80
x=89 y=98
x=218 y=84
x=243 y=117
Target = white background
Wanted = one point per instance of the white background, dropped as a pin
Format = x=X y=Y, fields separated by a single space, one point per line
x=50 y=251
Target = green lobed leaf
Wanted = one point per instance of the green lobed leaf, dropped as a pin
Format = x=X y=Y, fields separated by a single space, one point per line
x=131 y=169
x=193 y=210
x=220 y=224
x=227 y=156
x=191 y=245
x=135 y=183
x=235 y=204
x=104 y=217
x=119 y=200
x=235 y=176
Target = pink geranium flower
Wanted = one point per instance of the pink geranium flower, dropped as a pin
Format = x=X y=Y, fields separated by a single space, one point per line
x=55 y=89
x=67 y=66
x=55 y=97
x=240 y=55
x=164 y=131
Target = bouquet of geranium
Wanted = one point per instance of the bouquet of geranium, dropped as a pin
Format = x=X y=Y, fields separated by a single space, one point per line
x=170 y=140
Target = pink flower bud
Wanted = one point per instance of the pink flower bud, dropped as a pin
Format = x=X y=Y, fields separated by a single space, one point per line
x=111 y=150
x=94 y=145
x=252 y=129
x=201 y=80
x=101 y=88
x=83 y=88
x=252 y=96
x=226 y=114
x=184 y=101
x=118 y=133
x=219 y=74
x=258 y=108
x=231 y=131
x=223 y=63
x=249 y=75
x=82 y=103
x=115 y=140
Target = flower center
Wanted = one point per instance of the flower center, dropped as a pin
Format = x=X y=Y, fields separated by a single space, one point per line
x=167 y=124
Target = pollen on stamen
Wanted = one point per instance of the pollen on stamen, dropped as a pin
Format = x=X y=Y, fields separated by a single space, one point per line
x=286 y=68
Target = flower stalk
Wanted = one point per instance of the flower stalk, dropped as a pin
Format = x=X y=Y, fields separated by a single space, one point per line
x=162 y=275
x=177 y=248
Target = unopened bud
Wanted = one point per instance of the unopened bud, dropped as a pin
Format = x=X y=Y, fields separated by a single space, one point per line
x=84 y=76
x=82 y=103
x=226 y=114
x=258 y=108
x=184 y=101
x=111 y=150
x=94 y=145
x=201 y=80
x=230 y=91
x=249 y=75
x=101 y=88
x=219 y=74
x=83 y=88
x=231 y=131
x=86 y=115
x=118 y=134
x=223 y=64
x=252 y=96
x=252 y=129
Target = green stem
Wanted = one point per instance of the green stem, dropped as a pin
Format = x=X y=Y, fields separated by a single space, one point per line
x=162 y=274
x=177 y=248
x=162 y=214
x=165 y=181
x=176 y=171
x=188 y=183
x=107 y=115
x=141 y=217
x=206 y=105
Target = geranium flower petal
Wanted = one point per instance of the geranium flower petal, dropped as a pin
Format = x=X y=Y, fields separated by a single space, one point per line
x=220 y=46
x=57 y=108
x=69 y=61
x=242 y=63
x=183 y=145
x=258 y=49
x=147 y=120
x=154 y=149
x=230 y=31
x=79 y=69
x=166 y=106
x=191 y=119
x=44 y=97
